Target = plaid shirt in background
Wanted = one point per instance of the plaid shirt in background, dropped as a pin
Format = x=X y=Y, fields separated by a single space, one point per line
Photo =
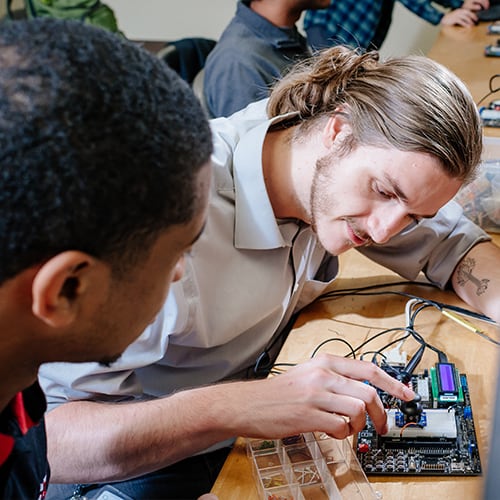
x=355 y=22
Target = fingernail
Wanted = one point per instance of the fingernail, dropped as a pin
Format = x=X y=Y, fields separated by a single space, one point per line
x=408 y=393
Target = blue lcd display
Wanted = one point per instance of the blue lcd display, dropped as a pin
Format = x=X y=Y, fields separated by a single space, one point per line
x=446 y=378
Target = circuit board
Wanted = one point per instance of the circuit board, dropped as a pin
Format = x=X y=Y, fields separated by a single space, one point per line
x=442 y=442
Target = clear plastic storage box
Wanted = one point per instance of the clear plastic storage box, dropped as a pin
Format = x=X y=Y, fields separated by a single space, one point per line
x=481 y=198
x=311 y=466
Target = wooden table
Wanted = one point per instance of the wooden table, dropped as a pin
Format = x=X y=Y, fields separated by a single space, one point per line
x=462 y=51
x=357 y=318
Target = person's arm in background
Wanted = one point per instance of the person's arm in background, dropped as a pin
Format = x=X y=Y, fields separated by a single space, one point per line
x=476 y=4
x=462 y=13
x=97 y=442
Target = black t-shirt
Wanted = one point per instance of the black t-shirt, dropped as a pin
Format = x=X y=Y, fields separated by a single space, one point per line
x=24 y=469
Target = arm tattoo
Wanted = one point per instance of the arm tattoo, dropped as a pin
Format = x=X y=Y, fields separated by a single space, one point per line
x=464 y=274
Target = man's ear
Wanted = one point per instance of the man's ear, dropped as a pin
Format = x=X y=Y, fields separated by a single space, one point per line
x=63 y=283
x=337 y=128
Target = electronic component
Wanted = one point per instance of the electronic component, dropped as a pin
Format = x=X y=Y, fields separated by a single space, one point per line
x=442 y=442
x=411 y=411
x=494 y=29
x=492 y=51
x=444 y=383
x=432 y=424
x=490 y=117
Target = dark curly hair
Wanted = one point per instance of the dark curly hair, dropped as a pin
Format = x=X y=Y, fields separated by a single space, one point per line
x=100 y=145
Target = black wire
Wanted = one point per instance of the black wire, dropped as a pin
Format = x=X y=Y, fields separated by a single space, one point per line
x=410 y=332
x=374 y=357
x=363 y=291
x=466 y=312
x=357 y=290
x=334 y=339
x=396 y=341
x=422 y=304
x=440 y=306
x=379 y=334
x=492 y=90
